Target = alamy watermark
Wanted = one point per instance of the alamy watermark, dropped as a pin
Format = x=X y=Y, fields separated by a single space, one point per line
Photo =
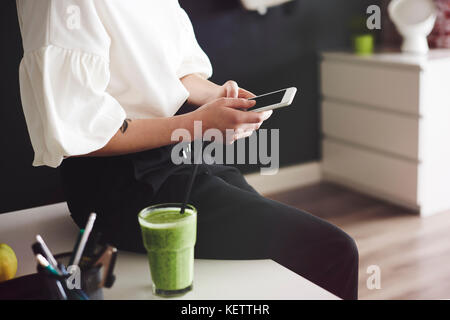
x=213 y=153
x=73 y=21
x=74 y=280
x=374 y=20
x=374 y=280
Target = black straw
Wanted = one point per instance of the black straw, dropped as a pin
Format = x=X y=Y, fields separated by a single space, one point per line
x=191 y=183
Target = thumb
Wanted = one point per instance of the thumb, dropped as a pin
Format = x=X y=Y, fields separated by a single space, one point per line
x=231 y=89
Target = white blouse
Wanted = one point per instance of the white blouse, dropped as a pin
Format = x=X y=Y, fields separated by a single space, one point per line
x=90 y=64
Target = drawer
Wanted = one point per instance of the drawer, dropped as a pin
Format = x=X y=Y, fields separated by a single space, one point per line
x=387 y=176
x=386 y=131
x=380 y=86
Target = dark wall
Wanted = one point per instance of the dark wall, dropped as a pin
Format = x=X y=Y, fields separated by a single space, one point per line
x=21 y=185
x=274 y=51
x=262 y=53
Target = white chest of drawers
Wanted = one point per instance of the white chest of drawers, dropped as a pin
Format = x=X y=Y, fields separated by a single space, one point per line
x=386 y=126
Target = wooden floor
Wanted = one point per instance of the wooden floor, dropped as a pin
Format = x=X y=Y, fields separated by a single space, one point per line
x=413 y=253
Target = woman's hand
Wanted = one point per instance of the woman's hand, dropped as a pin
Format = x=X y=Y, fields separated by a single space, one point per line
x=220 y=113
x=202 y=91
x=226 y=113
x=230 y=89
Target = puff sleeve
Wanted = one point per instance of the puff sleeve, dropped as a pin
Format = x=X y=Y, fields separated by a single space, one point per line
x=63 y=76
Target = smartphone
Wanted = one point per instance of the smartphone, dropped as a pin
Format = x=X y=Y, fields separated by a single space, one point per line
x=273 y=100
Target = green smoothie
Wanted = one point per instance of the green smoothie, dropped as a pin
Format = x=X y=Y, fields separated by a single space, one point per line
x=169 y=238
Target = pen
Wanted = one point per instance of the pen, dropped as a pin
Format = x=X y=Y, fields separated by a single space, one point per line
x=48 y=253
x=46 y=265
x=75 y=248
x=37 y=249
x=62 y=293
x=84 y=238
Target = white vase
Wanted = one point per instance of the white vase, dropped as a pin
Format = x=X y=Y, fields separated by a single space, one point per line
x=414 y=20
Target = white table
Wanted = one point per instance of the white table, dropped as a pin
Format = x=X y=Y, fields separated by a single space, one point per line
x=213 y=279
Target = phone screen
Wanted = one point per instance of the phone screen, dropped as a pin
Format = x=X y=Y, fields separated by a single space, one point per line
x=267 y=100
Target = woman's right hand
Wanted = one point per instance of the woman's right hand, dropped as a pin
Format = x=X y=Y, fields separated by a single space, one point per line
x=229 y=113
x=151 y=133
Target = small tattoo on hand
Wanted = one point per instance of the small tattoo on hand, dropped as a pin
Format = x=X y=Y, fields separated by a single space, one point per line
x=124 y=127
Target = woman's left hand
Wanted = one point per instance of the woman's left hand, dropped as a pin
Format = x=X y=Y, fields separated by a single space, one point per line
x=231 y=89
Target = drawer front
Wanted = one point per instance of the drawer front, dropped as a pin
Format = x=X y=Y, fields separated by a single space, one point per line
x=384 y=87
x=373 y=128
x=393 y=177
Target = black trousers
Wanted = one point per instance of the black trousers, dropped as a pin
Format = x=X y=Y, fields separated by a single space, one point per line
x=234 y=221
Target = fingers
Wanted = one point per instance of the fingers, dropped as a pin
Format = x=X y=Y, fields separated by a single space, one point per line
x=243 y=134
x=249 y=127
x=262 y=115
x=245 y=94
x=239 y=134
x=267 y=114
x=237 y=103
x=252 y=117
x=231 y=89
x=241 y=116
